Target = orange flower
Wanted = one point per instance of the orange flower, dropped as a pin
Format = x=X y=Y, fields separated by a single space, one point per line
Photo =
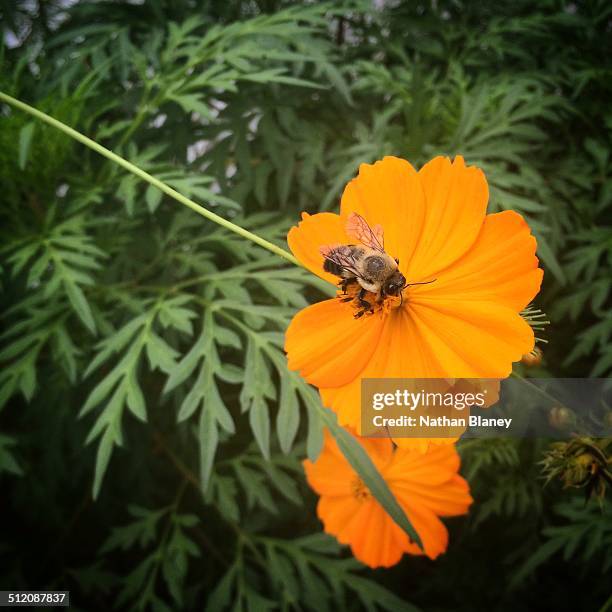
x=464 y=324
x=426 y=485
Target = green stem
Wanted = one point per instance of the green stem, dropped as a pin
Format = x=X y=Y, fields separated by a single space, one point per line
x=98 y=148
x=534 y=387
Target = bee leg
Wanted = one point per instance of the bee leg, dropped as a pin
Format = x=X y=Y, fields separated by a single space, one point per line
x=362 y=301
x=344 y=283
x=366 y=307
x=364 y=310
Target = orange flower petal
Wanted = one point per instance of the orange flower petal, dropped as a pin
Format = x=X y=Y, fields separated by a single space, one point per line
x=389 y=193
x=422 y=445
x=337 y=513
x=433 y=467
x=379 y=542
x=313 y=232
x=456 y=198
x=327 y=345
x=345 y=401
x=331 y=473
x=430 y=479
x=501 y=266
x=373 y=536
x=328 y=476
x=353 y=531
x=430 y=528
x=428 y=340
x=427 y=486
x=400 y=353
x=451 y=499
x=472 y=339
x=380 y=451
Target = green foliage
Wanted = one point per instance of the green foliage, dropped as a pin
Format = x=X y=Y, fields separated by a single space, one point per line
x=586 y=537
x=8 y=463
x=303 y=575
x=63 y=257
x=142 y=347
x=249 y=481
x=167 y=552
x=507 y=477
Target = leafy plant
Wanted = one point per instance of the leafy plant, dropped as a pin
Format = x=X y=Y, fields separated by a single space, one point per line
x=142 y=346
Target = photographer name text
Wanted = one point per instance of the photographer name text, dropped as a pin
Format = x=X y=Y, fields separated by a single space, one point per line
x=440 y=421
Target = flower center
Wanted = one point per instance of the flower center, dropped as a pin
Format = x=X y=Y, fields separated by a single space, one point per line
x=360 y=491
x=367 y=303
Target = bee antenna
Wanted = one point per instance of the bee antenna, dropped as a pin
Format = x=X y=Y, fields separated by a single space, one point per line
x=423 y=283
x=410 y=285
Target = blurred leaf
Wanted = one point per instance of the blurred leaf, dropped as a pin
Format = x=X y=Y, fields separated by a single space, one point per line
x=25 y=138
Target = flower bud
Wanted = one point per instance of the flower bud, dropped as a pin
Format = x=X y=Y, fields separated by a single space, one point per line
x=580 y=463
x=561 y=417
x=534 y=358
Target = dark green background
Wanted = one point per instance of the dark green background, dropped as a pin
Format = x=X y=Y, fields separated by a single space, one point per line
x=285 y=100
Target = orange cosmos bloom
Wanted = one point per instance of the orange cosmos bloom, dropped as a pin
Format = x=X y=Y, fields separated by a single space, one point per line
x=465 y=324
x=426 y=485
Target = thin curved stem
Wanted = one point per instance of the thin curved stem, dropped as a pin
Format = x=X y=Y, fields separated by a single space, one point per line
x=98 y=148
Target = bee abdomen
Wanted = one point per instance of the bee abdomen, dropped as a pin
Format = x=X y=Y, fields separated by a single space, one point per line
x=332 y=267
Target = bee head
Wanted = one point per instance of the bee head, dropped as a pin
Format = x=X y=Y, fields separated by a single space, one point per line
x=394 y=284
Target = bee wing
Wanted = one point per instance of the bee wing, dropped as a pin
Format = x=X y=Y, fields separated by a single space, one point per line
x=358 y=228
x=342 y=256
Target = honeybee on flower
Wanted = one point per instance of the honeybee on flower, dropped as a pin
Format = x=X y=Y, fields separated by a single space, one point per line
x=365 y=264
x=465 y=324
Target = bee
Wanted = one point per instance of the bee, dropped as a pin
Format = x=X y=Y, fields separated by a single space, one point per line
x=366 y=263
